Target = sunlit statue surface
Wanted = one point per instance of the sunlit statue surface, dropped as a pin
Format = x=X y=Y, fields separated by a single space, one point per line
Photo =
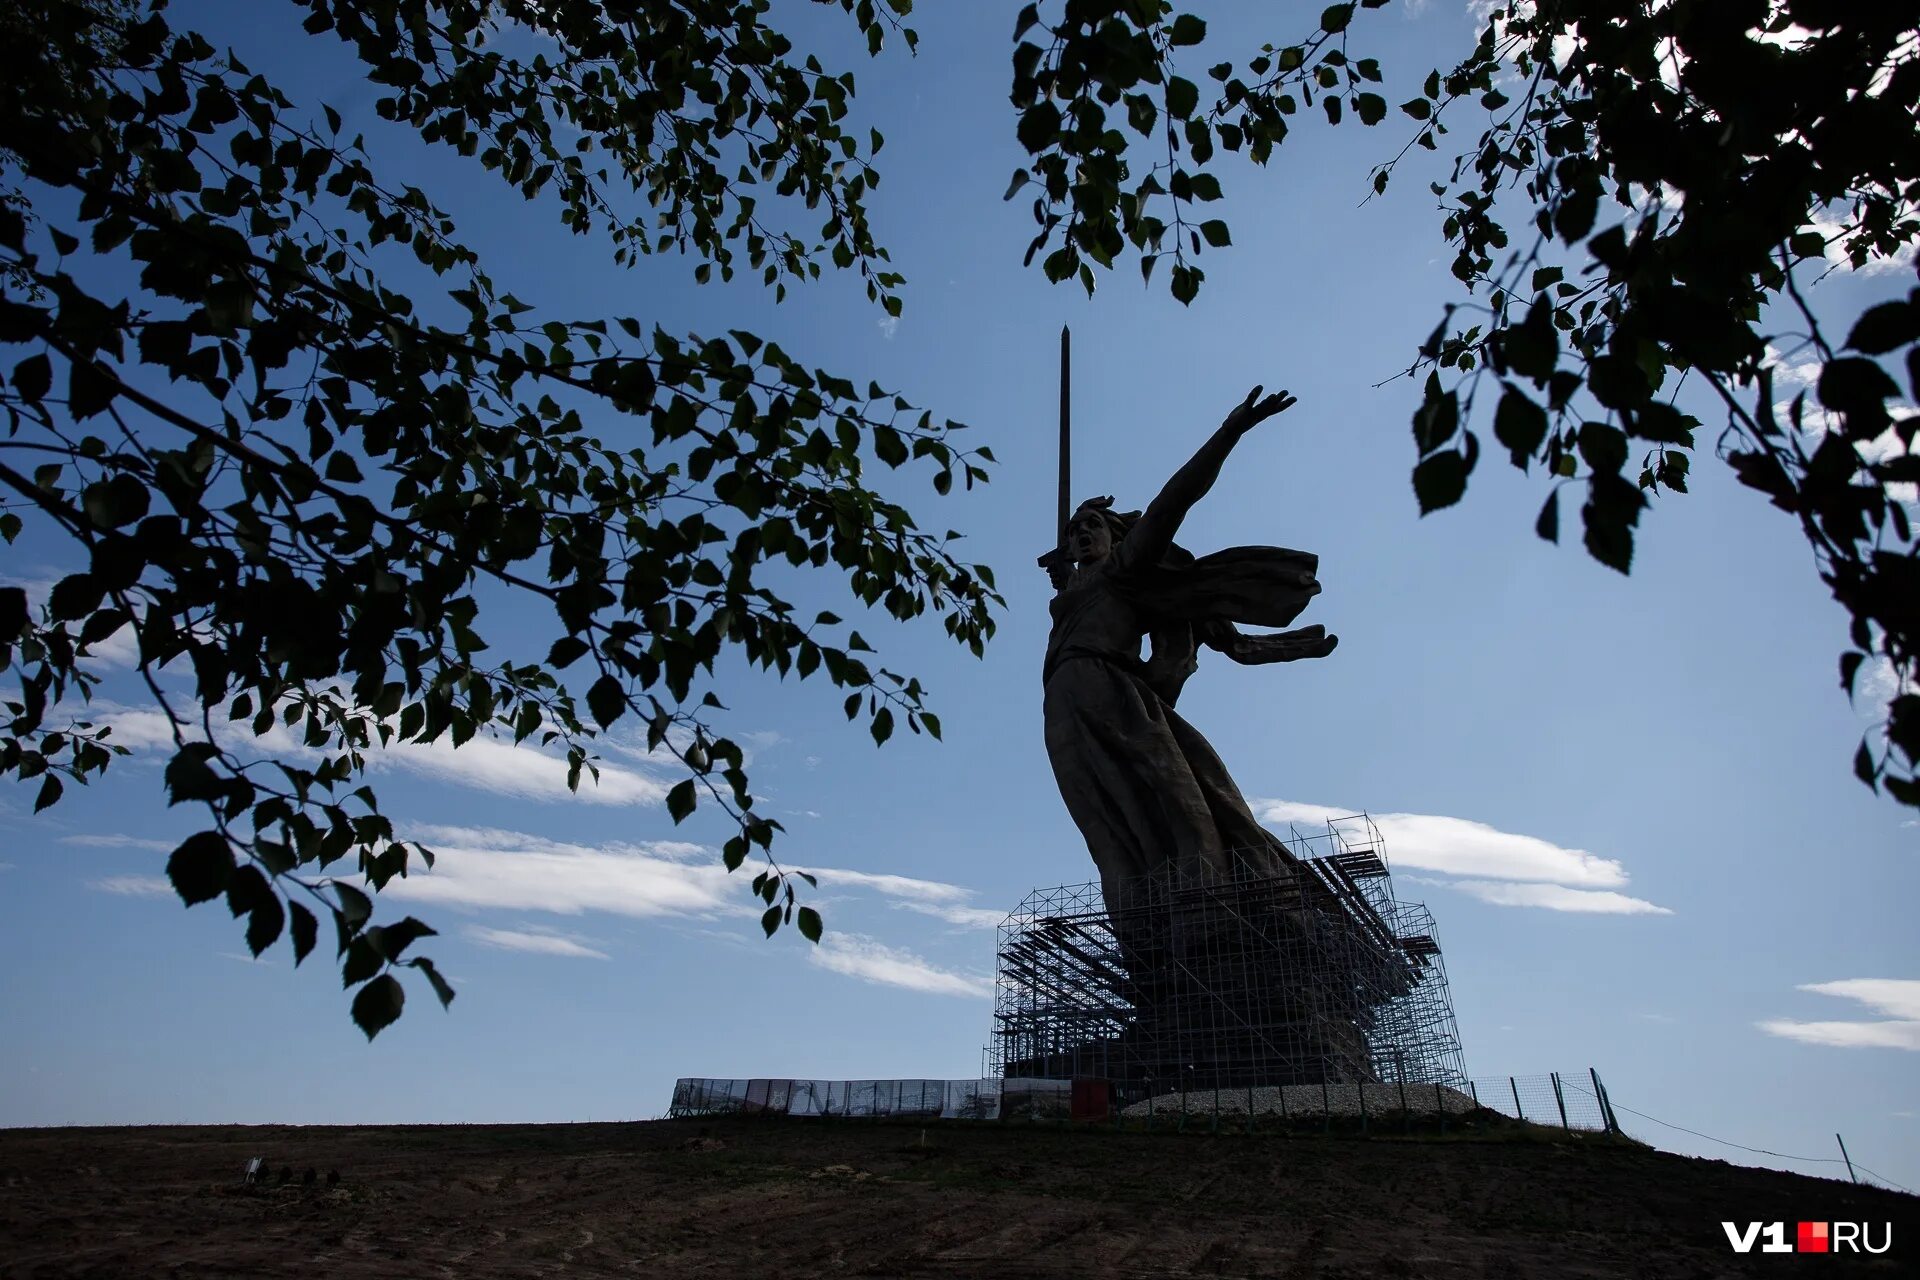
x=1142 y=784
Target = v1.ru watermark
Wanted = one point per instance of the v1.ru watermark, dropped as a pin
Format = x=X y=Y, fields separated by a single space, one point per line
x=1810 y=1237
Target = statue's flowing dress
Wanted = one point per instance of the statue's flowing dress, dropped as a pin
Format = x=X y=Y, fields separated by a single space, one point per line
x=1144 y=787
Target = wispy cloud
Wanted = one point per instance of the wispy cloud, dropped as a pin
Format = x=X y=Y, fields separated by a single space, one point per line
x=1555 y=897
x=1894 y=997
x=483 y=763
x=1897 y=998
x=1836 y=233
x=117 y=650
x=862 y=957
x=1460 y=846
x=537 y=941
x=133 y=886
x=492 y=868
x=1505 y=868
x=906 y=887
x=1802 y=370
x=1847 y=1035
x=120 y=842
x=507 y=871
x=965 y=917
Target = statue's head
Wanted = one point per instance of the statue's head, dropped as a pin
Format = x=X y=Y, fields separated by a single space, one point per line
x=1096 y=529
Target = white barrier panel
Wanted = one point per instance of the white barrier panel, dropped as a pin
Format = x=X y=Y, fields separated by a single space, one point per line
x=928 y=1099
x=1026 y=1099
x=971 y=1100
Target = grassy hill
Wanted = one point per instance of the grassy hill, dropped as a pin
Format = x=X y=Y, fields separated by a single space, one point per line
x=791 y=1198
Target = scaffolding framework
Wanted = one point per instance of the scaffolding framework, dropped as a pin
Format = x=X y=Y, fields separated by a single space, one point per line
x=1230 y=978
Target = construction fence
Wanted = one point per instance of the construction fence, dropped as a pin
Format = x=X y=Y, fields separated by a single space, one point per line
x=1570 y=1101
x=891 y=1099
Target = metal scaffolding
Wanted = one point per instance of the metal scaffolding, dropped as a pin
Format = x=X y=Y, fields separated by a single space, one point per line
x=1230 y=978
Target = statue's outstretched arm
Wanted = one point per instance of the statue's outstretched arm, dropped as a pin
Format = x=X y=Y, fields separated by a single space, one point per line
x=1150 y=538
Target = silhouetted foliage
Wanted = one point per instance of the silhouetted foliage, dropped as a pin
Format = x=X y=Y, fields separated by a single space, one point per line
x=297 y=465
x=1649 y=177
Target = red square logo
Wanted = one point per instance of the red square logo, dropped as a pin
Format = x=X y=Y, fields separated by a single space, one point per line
x=1813 y=1237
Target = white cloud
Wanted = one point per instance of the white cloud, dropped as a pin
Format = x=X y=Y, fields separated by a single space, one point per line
x=1816 y=421
x=888 y=325
x=1556 y=897
x=133 y=886
x=1460 y=846
x=1834 y=232
x=121 y=842
x=965 y=917
x=1894 y=997
x=540 y=943
x=542 y=875
x=117 y=650
x=1788 y=371
x=483 y=763
x=432 y=834
x=1897 y=998
x=928 y=891
x=1847 y=1035
x=862 y=957
x=491 y=868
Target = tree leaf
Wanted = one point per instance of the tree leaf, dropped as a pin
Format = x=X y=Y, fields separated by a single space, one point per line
x=265 y=922
x=809 y=922
x=378 y=1005
x=441 y=988
x=607 y=700
x=1880 y=329
x=1855 y=384
x=1182 y=97
x=355 y=907
x=32 y=378
x=1438 y=418
x=305 y=931
x=1440 y=480
x=681 y=800
x=1519 y=424
x=1039 y=126
x=200 y=867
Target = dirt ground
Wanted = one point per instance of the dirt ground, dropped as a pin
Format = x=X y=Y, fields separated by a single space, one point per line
x=791 y=1198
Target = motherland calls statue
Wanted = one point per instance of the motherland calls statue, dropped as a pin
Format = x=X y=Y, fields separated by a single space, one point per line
x=1142 y=784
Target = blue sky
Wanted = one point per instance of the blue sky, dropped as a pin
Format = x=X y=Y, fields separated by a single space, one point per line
x=1626 y=800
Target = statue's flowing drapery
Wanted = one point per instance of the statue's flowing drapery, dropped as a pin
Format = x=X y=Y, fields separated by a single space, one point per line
x=1142 y=784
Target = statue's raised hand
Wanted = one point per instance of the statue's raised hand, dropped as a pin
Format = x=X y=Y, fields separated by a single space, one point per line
x=1252 y=411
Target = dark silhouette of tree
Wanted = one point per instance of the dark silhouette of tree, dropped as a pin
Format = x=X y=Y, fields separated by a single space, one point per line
x=294 y=477
x=1652 y=182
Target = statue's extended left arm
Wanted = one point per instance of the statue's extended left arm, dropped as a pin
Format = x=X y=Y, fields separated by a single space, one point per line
x=1150 y=538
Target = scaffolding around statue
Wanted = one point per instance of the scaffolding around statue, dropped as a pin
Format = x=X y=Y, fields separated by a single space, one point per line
x=1230 y=979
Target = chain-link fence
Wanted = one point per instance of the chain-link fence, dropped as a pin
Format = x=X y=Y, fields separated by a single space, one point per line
x=1559 y=1099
